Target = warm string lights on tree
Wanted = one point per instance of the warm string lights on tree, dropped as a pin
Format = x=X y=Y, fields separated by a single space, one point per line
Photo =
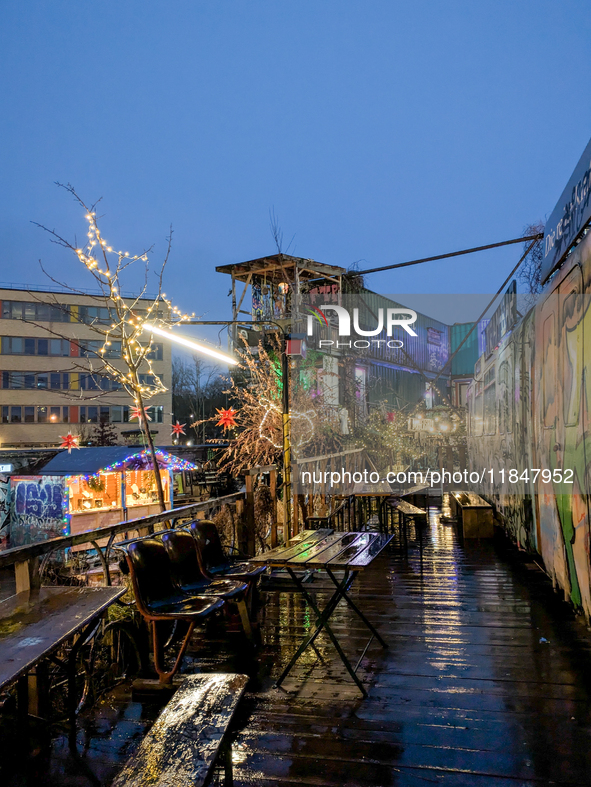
x=131 y=317
x=257 y=412
x=302 y=426
x=126 y=348
x=386 y=437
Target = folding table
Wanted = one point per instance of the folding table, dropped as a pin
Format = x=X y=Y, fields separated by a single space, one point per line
x=34 y=623
x=331 y=552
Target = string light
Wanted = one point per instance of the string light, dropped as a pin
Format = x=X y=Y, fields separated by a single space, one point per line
x=66 y=515
x=169 y=460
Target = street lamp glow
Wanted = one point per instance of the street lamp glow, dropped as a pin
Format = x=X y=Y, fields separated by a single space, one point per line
x=201 y=348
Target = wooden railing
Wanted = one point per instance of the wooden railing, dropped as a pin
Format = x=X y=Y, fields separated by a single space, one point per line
x=320 y=494
x=25 y=559
x=250 y=478
x=343 y=518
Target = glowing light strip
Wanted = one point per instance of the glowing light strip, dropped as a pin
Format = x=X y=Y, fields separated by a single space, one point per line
x=202 y=348
x=178 y=464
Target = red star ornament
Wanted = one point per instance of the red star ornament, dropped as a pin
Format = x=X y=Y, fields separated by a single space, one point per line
x=136 y=412
x=227 y=418
x=178 y=429
x=390 y=417
x=69 y=442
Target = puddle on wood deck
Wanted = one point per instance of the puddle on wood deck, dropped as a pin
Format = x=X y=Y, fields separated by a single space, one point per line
x=465 y=694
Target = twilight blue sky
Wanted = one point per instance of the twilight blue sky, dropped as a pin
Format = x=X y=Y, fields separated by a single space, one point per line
x=378 y=131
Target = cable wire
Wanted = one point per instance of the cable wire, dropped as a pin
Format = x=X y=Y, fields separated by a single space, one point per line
x=537 y=237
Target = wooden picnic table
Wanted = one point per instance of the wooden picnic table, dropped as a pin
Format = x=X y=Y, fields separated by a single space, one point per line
x=333 y=553
x=365 y=495
x=34 y=623
x=417 y=495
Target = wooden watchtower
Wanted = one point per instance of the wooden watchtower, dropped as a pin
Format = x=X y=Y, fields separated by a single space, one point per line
x=277 y=284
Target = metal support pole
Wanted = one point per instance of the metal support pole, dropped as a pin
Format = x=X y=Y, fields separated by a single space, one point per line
x=286 y=441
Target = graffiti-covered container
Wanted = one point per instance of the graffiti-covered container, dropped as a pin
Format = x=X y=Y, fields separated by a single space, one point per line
x=4 y=510
x=38 y=509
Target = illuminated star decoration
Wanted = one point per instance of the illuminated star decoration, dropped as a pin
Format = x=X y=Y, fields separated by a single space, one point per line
x=178 y=429
x=227 y=419
x=69 y=442
x=136 y=412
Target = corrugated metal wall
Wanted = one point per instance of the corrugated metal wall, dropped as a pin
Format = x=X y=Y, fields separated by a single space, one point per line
x=399 y=376
x=426 y=352
x=397 y=387
x=463 y=363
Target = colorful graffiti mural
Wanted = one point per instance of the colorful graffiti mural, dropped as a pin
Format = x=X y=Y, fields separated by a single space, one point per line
x=4 y=509
x=36 y=509
x=538 y=382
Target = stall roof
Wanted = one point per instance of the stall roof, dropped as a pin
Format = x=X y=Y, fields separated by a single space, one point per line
x=89 y=461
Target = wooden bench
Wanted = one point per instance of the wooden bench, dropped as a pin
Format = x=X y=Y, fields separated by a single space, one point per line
x=476 y=514
x=189 y=736
x=417 y=495
x=408 y=511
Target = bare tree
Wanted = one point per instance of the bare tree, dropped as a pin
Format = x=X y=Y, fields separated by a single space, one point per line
x=197 y=389
x=104 y=434
x=129 y=319
x=277 y=233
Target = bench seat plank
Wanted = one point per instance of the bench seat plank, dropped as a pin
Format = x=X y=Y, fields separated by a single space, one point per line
x=181 y=748
x=407 y=508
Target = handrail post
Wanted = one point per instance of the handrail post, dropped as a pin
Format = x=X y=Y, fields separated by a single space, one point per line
x=273 y=490
x=26 y=575
x=247 y=543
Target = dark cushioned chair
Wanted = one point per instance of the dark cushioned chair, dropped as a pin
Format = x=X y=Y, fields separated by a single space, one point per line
x=158 y=598
x=189 y=577
x=214 y=561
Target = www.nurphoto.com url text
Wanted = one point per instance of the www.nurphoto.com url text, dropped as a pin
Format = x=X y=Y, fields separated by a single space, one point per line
x=437 y=477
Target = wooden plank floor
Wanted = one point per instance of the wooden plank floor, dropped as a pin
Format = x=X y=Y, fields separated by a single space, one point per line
x=486 y=681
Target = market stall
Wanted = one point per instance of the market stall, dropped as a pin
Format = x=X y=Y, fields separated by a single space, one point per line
x=87 y=489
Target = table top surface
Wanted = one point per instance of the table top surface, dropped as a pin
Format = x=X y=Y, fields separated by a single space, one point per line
x=414 y=490
x=373 y=490
x=36 y=622
x=326 y=549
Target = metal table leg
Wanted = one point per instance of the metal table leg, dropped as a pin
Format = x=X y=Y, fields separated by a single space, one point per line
x=322 y=623
x=354 y=607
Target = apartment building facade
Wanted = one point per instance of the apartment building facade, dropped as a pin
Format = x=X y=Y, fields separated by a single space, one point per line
x=50 y=372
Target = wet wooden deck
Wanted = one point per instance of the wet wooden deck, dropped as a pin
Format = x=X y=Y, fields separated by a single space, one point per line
x=486 y=682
